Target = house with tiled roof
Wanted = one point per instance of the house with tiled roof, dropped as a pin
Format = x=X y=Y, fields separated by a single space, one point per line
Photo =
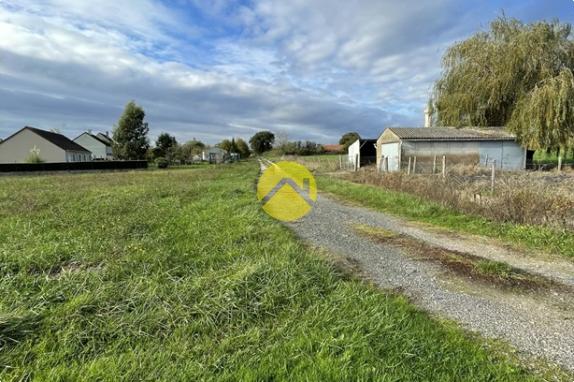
x=31 y=144
x=333 y=148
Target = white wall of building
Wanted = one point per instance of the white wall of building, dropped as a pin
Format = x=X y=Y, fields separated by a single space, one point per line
x=98 y=149
x=354 y=152
x=78 y=156
x=392 y=152
x=18 y=148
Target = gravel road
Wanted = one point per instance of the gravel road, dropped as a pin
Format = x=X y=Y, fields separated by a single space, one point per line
x=533 y=324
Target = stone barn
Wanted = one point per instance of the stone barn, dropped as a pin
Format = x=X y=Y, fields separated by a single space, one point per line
x=460 y=146
x=363 y=150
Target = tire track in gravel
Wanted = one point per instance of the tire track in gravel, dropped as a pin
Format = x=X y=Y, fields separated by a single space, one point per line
x=534 y=324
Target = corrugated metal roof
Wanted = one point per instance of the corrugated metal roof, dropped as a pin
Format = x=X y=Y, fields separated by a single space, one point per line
x=452 y=134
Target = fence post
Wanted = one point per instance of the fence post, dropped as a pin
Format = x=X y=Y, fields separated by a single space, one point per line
x=340 y=162
x=415 y=165
x=486 y=160
x=434 y=165
x=444 y=166
x=559 y=162
x=409 y=168
x=356 y=162
x=492 y=176
x=386 y=164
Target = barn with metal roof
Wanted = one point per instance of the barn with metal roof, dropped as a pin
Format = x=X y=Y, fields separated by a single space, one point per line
x=460 y=146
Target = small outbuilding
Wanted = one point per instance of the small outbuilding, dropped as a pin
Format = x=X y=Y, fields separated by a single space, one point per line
x=459 y=146
x=214 y=155
x=45 y=146
x=362 y=152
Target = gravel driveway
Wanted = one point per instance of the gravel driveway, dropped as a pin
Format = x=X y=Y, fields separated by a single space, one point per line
x=535 y=325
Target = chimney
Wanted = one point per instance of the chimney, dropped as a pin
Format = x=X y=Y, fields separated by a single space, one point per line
x=428 y=117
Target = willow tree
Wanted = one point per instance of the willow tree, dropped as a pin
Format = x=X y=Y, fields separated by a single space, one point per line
x=515 y=75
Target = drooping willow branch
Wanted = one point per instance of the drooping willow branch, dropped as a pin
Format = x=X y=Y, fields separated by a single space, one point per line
x=515 y=75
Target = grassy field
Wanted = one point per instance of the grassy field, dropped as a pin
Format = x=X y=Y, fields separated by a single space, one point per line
x=179 y=275
x=417 y=208
x=542 y=157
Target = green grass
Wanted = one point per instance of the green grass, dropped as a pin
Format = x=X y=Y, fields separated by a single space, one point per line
x=542 y=157
x=494 y=268
x=419 y=209
x=178 y=275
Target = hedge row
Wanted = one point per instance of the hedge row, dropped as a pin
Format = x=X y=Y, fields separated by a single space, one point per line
x=72 y=166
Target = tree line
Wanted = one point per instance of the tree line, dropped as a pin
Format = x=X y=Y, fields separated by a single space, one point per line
x=131 y=142
x=514 y=75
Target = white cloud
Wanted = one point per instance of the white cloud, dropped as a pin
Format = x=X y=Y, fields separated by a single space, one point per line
x=67 y=74
x=312 y=68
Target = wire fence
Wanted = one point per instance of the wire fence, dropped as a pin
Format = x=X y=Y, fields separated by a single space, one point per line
x=456 y=169
x=527 y=197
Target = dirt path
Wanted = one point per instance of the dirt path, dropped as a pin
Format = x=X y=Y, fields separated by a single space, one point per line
x=537 y=323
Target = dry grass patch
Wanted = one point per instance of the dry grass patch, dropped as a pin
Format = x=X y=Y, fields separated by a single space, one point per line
x=518 y=198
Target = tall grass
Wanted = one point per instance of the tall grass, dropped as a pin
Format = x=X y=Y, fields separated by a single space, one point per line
x=179 y=276
x=419 y=208
x=518 y=198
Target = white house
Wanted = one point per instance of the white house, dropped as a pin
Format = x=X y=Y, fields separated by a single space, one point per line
x=100 y=145
x=50 y=147
x=464 y=146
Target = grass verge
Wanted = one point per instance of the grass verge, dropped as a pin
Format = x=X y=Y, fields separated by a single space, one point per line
x=416 y=208
x=489 y=272
x=178 y=275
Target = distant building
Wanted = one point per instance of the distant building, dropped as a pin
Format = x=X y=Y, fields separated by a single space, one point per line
x=362 y=152
x=100 y=145
x=48 y=146
x=333 y=149
x=214 y=155
x=464 y=146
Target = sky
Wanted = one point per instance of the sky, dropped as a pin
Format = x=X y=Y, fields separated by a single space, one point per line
x=210 y=70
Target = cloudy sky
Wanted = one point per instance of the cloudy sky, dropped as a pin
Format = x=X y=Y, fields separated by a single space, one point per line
x=310 y=69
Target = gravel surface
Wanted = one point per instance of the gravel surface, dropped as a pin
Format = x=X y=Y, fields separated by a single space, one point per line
x=534 y=324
